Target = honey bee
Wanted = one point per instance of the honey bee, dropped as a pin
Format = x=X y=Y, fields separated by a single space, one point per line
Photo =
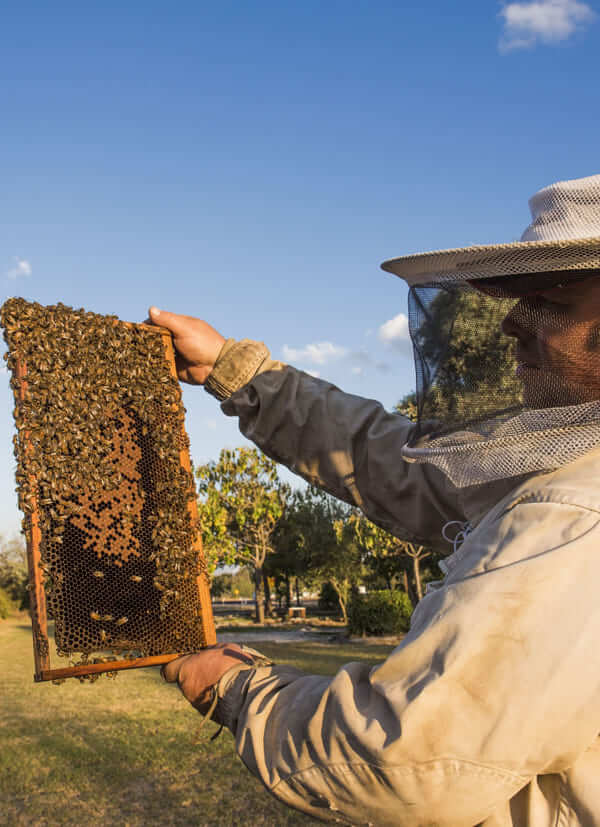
x=107 y=617
x=121 y=621
x=136 y=578
x=95 y=616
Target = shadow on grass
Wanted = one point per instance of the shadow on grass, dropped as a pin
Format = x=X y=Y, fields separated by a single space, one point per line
x=129 y=752
x=126 y=771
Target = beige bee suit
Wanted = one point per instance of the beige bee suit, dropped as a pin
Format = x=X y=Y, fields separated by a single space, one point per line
x=488 y=712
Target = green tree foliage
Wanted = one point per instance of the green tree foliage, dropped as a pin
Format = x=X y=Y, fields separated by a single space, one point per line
x=342 y=566
x=314 y=544
x=249 y=518
x=300 y=537
x=322 y=539
x=397 y=562
x=7 y=606
x=13 y=571
x=407 y=406
x=241 y=501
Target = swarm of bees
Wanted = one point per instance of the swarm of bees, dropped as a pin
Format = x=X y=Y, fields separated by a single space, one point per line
x=100 y=429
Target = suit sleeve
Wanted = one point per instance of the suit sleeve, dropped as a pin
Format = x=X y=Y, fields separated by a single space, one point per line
x=345 y=444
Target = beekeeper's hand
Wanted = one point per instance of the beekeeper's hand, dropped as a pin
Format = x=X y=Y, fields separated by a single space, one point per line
x=197 y=674
x=197 y=344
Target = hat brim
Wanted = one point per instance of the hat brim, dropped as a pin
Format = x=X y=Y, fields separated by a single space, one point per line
x=487 y=261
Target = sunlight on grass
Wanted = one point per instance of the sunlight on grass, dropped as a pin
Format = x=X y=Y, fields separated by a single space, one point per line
x=129 y=750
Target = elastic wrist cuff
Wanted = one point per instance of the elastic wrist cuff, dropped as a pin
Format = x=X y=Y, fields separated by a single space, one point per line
x=232 y=687
x=236 y=365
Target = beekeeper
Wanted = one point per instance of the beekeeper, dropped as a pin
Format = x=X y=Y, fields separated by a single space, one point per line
x=488 y=712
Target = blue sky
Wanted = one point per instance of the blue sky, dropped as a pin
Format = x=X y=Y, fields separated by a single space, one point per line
x=253 y=163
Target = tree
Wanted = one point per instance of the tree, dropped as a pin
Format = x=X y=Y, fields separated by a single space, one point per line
x=331 y=550
x=314 y=544
x=382 y=555
x=299 y=535
x=14 y=576
x=387 y=556
x=242 y=500
x=417 y=554
x=407 y=406
x=343 y=565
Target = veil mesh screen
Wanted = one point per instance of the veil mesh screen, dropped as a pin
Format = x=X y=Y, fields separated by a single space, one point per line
x=508 y=376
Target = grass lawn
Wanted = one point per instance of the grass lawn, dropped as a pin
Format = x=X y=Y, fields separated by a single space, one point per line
x=128 y=751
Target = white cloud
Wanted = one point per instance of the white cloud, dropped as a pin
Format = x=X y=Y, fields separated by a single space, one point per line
x=361 y=361
x=546 y=21
x=21 y=267
x=318 y=353
x=395 y=331
x=358 y=362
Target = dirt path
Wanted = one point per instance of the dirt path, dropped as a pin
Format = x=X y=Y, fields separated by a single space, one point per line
x=274 y=636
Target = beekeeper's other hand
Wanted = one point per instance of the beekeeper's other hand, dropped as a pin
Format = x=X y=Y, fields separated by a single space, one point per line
x=197 y=674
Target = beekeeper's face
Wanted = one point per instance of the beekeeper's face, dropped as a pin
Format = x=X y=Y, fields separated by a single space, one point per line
x=558 y=344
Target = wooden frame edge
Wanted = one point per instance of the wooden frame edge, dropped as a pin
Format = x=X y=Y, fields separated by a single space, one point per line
x=97 y=668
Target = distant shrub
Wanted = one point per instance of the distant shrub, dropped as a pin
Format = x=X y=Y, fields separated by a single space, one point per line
x=328 y=598
x=379 y=613
x=13 y=582
x=220 y=585
x=7 y=607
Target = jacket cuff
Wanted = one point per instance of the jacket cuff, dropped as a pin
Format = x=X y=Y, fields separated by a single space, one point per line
x=237 y=363
x=231 y=693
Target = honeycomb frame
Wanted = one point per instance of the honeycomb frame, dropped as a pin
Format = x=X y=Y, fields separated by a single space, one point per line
x=105 y=482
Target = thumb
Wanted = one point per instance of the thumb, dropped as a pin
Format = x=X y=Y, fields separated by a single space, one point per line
x=172 y=321
x=170 y=670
